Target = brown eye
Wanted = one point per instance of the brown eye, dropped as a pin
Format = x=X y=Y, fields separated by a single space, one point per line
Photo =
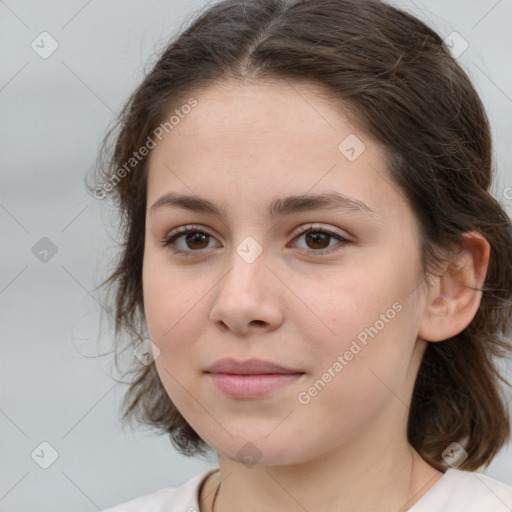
x=319 y=240
x=196 y=240
x=191 y=240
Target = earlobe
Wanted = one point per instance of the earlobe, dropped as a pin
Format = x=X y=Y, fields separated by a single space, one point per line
x=454 y=297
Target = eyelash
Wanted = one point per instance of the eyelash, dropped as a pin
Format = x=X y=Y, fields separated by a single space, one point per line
x=170 y=239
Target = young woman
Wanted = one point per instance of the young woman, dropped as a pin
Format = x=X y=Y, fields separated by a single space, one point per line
x=312 y=254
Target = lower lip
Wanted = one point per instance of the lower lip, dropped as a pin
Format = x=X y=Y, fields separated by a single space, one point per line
x=252 y=386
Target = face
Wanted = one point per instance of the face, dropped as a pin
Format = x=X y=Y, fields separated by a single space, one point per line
x=327 y=291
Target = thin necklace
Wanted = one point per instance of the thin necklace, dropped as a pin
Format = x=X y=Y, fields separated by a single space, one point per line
x=218 y=488
x=215 y=498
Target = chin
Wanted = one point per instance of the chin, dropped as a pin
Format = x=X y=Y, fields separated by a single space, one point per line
x=258 y=451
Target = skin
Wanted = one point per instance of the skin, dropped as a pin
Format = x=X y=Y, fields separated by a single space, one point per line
x=346 y=449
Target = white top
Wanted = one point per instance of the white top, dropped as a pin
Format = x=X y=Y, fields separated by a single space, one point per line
x=456 y=491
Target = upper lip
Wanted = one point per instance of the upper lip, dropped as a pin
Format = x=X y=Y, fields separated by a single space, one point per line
x=248 y=367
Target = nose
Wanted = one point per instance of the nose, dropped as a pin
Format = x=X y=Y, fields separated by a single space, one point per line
x=248 y=298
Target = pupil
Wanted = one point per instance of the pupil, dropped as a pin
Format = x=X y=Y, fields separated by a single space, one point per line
x=312 y=238
x=318 y=237
x=196 y=237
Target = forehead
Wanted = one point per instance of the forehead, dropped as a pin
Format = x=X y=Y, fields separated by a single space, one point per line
x=264 y=109
x=252 y=141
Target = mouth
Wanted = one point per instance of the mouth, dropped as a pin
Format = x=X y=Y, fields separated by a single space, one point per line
x=252 y=378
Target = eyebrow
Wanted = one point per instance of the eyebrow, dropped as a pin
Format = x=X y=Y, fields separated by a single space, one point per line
x=279 y=207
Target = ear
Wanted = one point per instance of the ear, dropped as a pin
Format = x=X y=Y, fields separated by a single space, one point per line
x=452 y=300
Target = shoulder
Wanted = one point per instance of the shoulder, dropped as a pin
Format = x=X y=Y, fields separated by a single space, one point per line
x=184 y=496
x=466 y=491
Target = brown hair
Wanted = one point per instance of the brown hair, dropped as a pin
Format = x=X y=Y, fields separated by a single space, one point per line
x=404 y=89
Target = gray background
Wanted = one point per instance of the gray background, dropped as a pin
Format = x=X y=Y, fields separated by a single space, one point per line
x=54 y=114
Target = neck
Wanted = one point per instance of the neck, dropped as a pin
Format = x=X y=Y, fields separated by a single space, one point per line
x=377 y=478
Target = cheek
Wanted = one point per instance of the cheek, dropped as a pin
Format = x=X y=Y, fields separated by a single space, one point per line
x=171 y=298
x=172 y=304
x=363 y=369
x=355 y=301
x=369 y=319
